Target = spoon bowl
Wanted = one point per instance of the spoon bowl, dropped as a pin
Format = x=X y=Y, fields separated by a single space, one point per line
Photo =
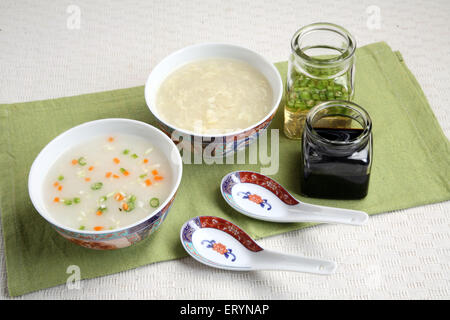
x=221 y=244
x=260 y=197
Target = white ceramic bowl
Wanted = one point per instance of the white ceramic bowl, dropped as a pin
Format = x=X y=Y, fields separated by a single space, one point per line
x=223 y=143
x=111 y=239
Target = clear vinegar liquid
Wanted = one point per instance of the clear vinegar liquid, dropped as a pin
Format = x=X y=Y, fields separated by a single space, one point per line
x=294 y=122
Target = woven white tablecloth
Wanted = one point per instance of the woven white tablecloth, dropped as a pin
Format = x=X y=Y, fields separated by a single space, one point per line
x=405 y=255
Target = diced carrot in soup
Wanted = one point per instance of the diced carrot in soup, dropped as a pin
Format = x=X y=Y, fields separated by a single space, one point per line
x=118 y=197
x=93 y=191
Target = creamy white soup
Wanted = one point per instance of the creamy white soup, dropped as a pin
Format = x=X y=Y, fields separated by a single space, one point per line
x=214 y=96
x=107 y=183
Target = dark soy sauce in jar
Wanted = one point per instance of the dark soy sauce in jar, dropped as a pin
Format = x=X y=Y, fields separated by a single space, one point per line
x=342 y=134
x=336 y=162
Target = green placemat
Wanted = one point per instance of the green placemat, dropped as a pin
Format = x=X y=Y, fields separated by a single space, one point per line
x=411 y=167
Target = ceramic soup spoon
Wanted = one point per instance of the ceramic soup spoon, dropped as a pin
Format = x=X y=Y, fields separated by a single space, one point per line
x=260 y=197
x=219 y=243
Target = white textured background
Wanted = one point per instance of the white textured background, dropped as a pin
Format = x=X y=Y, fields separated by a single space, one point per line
x=401 y=255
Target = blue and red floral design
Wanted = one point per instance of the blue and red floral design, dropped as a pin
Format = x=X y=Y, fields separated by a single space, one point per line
x=261 y=180
x=219 y=224
x=220 y=248
x=223 y=145
x=256 y=199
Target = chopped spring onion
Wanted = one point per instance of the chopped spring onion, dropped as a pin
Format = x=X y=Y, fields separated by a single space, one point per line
x=82 y=161
x=134 y=156
x=154 y=202
x=61 y=178
x=76 y=200
x=82 y=227
x=130 y=204
x=103 y=198
x=142 y=176
x=97 y=186
x=126 y=151
x=68 y=202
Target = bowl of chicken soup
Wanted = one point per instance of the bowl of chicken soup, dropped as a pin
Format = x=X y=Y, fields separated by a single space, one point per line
x=214 y=98
x=106 y=184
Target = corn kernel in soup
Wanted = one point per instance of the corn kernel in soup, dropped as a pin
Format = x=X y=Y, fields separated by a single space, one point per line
x=214 y=96
x=107 y=183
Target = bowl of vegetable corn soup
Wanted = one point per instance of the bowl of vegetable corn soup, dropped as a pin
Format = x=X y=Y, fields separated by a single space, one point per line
x=219 y=94
x=106 y=184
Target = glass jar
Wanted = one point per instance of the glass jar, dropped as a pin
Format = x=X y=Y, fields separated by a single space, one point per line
x=321 y=67
x=336 y=151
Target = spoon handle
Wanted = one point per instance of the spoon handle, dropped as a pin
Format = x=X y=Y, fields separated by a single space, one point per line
x=306 y=212
x=271 y=260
